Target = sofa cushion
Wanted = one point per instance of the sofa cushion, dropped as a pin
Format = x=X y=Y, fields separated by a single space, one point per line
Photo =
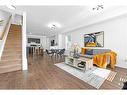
x=100 y=51
x=89 y=52
x=96 y=51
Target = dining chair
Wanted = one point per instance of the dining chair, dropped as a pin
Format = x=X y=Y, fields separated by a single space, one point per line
x=49 y=52
x=61 y=52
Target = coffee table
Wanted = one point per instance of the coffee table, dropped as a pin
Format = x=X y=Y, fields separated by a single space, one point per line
x=86 y=62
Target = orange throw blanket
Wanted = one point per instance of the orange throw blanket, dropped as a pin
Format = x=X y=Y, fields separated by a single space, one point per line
x=112 y=59
x=100 y=59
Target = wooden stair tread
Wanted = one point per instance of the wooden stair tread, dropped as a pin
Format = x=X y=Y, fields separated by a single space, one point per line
x=13 y=45
x=10 y=61
x=11 y=57
x=8 y=65
x=12 y=50
x=10 y=69
x=9 y=47
x=13 y=61
x=11 y=54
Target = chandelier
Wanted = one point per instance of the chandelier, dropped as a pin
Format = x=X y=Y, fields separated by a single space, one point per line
x=53 y=26
x=98 y=7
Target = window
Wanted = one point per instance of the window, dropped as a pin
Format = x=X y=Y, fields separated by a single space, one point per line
x=68 y=42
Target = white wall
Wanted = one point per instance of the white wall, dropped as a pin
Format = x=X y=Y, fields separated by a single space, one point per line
x=47 y=43
x=115 y=36
x=53 y=37
x=17 y=19
x=60 y=41
x=43 y=40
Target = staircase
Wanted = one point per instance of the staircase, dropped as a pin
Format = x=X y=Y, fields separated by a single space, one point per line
x=11 y=59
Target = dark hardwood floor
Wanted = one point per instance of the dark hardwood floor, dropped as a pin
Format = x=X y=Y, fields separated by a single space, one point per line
x=42 y=74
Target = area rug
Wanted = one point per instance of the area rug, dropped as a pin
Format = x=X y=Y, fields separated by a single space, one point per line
x=94 y=77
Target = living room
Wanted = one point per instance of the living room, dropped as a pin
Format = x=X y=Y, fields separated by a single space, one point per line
x=70 y=51
x=112 y=27
x=63 y=47
x=59 y=37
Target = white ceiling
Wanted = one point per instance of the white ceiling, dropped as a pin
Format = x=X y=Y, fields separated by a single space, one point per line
x=69 y=17
x=38 y=17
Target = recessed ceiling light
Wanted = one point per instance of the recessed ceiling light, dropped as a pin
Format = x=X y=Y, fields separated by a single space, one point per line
x=11 y=7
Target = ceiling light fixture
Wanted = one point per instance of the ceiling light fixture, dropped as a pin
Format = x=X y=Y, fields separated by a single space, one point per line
x=11 y=7
x=53 y=26
x=98 y=7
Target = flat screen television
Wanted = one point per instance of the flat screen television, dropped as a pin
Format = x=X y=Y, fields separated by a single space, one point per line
x=94 y=39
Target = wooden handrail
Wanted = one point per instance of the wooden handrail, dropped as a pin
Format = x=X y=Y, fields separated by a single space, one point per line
x=1 y=37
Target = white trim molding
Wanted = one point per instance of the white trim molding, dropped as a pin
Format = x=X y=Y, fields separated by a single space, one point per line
x=24 y=43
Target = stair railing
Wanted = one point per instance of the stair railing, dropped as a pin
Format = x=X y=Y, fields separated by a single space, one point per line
x=4 y=35
x=5 y=29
